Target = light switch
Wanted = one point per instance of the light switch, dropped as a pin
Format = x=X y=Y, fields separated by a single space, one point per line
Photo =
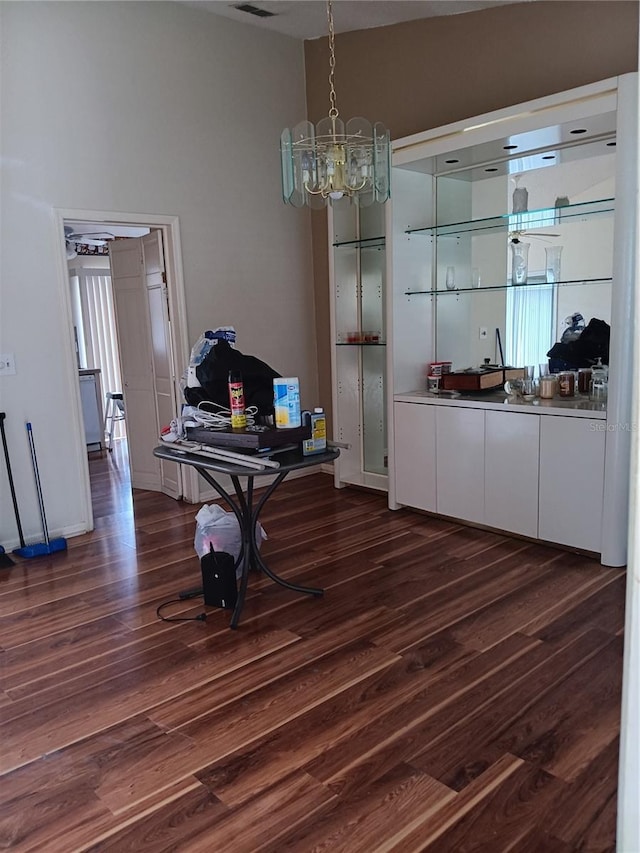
x=7 y=364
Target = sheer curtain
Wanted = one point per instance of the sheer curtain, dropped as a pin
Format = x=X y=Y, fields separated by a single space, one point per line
x=530 y=322
x=531 y=308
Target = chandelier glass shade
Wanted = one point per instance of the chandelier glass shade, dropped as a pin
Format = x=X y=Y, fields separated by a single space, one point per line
x=333 y=160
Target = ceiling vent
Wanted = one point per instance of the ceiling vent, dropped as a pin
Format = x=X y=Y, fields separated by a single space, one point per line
x=253 y=10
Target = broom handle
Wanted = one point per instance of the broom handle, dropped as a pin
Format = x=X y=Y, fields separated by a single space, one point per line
x=10 y=476
x=34 y=460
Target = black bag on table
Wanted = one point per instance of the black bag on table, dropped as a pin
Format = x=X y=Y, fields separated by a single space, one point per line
x=592 y=344
x=213 y=376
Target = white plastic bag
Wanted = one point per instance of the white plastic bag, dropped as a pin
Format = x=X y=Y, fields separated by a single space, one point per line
x=218 y=528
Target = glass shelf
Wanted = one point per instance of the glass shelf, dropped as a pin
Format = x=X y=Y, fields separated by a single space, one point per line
x=498 y=287
x=364 y=243
x=531 y=219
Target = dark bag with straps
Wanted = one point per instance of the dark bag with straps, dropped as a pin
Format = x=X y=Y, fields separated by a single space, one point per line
x=213 y=375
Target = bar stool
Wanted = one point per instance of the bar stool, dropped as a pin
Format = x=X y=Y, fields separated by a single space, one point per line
x=114 y=411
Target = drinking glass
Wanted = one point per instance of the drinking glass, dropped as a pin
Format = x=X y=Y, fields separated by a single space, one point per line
x=450 y=279
x=552 y=263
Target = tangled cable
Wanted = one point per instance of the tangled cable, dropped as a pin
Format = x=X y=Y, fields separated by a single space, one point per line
x=220 y=418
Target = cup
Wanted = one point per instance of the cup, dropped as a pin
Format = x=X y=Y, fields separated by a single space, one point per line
x=543 y=369
x=529 y=371
x=450 y=278
x=476 y=279
x=433 y=384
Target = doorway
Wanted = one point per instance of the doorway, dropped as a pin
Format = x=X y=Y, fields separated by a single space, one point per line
x=174 y=334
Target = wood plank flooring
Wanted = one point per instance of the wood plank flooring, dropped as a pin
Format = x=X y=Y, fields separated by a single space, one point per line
x=454 y=690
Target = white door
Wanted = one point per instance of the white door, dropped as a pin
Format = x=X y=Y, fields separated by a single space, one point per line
x=135 y=305
x=160 y=325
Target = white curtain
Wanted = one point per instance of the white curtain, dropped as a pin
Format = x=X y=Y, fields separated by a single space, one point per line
x=530 y=323
x=531 y=308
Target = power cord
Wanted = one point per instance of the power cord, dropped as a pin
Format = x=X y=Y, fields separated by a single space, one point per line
x=220 y=417
x=201 y=617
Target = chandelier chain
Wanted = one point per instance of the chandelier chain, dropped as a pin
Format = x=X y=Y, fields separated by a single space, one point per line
x=333 y=110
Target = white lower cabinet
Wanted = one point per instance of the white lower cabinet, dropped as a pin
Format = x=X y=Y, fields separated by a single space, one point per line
x=540 y=476
x=571 y=481
x=511 y=462
x=460 y=462
x=415 y=455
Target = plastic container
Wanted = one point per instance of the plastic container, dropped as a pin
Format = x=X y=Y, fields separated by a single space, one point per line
x=286 y=402
x=318 y=441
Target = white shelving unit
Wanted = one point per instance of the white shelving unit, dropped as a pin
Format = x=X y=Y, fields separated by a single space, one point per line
x=451 y=207
x=358 y=328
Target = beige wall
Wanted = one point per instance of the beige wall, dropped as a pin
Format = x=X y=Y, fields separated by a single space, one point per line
x=427 y=73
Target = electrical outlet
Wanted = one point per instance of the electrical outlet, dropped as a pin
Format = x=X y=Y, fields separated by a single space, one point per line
x=483 y=333
x=7 y=364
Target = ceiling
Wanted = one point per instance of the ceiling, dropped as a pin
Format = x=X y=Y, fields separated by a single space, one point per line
x=307 y=19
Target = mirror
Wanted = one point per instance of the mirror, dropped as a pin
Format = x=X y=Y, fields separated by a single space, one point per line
x=476 y=228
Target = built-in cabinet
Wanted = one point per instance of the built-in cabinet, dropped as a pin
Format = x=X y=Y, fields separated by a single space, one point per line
x=358 y=330
x=537 y=475
x=555 y=176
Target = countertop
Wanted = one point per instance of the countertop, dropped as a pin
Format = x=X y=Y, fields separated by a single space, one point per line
x=579 y=406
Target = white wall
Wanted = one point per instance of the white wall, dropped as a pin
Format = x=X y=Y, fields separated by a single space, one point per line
x=155 y=108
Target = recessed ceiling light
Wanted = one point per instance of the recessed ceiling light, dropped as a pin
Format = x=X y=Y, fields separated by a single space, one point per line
x=611 y=144
x=549 y=157
x=579 y=130
x=491 y=169
x=452 y=161
x=509 y=147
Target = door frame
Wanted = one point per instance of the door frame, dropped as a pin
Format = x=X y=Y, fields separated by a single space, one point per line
x=180 y=350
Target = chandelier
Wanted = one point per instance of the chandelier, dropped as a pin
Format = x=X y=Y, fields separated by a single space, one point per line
x=332 y=161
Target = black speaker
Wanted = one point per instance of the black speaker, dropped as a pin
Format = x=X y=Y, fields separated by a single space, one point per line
x=219 y=579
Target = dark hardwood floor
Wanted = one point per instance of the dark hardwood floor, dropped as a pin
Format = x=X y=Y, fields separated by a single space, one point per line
x=454 y=690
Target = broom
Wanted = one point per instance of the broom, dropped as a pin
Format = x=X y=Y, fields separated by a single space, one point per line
x=49 y=546
x=5 y=560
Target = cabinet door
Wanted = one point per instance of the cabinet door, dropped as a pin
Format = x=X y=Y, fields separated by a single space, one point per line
x=511 y=471
x=460 y=462
x=415 y=455
x=571 y=481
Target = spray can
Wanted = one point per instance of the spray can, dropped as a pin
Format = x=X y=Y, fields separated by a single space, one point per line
x=236 y=399
x=318 y=441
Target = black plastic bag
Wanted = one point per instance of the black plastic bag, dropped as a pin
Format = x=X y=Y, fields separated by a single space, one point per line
x=592 y=344
x=213 y=376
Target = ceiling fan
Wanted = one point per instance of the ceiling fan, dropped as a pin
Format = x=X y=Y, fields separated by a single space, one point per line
x=516 y=236
x=88 y=238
